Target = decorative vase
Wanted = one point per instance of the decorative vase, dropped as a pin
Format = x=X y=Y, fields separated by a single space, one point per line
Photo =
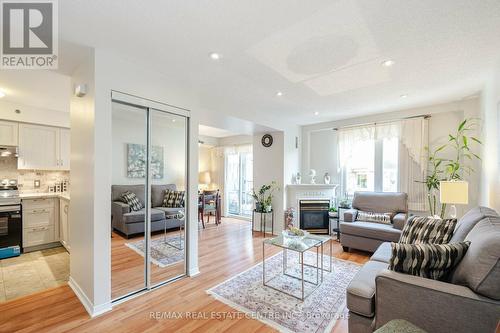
x=312 y=174
x=298 y=178
x=327 y=178
x=258 y=207
x=268 y=208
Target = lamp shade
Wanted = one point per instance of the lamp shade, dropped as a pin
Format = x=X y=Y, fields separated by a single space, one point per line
x=204 y=178
x=454 y=192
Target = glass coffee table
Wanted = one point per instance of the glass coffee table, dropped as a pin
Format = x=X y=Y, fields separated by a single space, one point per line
x=310 y=242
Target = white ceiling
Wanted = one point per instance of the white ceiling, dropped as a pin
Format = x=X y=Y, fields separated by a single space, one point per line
x=324 y=55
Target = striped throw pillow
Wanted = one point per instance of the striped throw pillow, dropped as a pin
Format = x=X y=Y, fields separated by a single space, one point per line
x=424 y=230
x=132 y=200
x=384 y=218
x=173 y=199
x=431 y=261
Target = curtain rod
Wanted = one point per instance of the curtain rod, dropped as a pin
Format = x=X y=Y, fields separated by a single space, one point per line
x=425 y=116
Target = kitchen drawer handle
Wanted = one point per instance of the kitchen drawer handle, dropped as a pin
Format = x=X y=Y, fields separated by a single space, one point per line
x=37 y=211
x=40 y=229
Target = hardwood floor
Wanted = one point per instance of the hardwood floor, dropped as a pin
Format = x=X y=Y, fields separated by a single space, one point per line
x=127 y=266
x=224 y=251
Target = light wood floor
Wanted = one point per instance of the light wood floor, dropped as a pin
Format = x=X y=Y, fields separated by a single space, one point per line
x=224 y=251
x=127 y=266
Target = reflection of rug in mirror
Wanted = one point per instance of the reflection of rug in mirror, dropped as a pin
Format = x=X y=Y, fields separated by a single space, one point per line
x=317 y=313
x=162 y=254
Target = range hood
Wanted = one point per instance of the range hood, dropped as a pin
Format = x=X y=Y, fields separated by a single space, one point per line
x=8 y=151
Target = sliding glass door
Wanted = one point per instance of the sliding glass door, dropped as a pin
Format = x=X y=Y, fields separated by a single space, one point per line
x=149 y=206
x=239 y=183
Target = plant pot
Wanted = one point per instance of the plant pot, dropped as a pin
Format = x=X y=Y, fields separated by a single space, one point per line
x=333 y=214
x=258 y=207
x=267 y=209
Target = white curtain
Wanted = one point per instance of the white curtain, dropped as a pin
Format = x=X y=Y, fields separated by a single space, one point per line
x=413 y=161
x=412 y=135
x=217 y=167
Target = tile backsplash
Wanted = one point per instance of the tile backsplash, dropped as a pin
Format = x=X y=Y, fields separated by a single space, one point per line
x=26 y=178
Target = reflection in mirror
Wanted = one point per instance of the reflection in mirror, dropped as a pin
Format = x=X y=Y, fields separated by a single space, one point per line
x=128 y=196
x=168 y=192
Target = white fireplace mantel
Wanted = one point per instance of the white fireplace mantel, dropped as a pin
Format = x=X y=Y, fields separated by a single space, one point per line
x=297 y=192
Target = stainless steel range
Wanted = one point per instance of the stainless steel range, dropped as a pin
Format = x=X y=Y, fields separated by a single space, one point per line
x=11 y=230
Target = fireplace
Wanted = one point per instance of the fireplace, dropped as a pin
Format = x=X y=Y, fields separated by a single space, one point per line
x=313 y=215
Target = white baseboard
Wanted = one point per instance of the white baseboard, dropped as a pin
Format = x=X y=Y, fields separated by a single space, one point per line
x=93 y=310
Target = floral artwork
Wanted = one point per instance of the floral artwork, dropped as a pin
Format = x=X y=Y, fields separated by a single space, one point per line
x=136 y=161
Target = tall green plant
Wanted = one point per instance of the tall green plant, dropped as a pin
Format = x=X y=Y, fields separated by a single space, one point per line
x=441 y=169
x=460 y=144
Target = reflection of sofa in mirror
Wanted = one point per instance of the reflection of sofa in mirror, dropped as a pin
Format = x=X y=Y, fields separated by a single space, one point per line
x=129 y=222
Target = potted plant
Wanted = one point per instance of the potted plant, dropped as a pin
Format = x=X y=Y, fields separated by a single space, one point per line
x=264 y=197
x=333 y=212
x=441 y=168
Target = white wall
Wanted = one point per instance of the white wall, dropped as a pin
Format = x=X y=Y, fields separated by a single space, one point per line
x=205 y=160
x=89 y=233
x=235 y=140
x=268 y=166
x=319 y=149
x=490 y=113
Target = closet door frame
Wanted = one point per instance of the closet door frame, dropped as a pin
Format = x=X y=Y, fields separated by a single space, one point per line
x=150 y=106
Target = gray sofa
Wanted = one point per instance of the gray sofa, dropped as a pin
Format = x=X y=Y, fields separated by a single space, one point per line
x=368 y=236
x=468 y=300
x=130 y=223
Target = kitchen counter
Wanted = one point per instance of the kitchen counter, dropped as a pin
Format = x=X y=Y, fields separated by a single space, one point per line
x=60 y=195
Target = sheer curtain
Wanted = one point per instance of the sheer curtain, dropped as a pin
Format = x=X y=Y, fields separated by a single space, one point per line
x=413 y=161
x=362 y=147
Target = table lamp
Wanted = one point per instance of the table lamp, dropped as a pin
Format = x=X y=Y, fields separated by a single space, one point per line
x=454 y=192
x=204 y=179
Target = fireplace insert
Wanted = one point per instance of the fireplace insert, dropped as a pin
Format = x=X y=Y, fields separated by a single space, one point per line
x=313 y=215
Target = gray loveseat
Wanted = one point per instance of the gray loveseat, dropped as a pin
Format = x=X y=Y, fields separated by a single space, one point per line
x=368 y=236
x=129 y=223
x=468 y=300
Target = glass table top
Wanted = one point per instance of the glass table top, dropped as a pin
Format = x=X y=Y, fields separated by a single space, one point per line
x=298 y=245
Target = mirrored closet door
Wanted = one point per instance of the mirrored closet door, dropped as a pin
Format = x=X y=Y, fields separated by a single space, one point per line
x=148 y=194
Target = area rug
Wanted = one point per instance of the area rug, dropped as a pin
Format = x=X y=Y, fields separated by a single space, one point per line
x=317 y=313
x=162 y=254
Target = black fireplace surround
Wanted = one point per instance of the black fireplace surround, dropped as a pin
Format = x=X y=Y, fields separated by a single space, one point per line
x=313 y=215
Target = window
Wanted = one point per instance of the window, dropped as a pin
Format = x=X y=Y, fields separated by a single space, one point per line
x=239 y=183
x=368 y=158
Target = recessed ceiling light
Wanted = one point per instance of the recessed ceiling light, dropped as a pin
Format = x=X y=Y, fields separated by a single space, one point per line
x=388 y=63
x=173 y=120
x=316 y=113
x=403 y=96
x=279 y=94
x=2 y=93
x=215 y=56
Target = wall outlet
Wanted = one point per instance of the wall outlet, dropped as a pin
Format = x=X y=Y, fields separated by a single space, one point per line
x=36 y=183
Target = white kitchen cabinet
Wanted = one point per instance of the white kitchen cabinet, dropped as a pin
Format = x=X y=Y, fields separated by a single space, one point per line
x=64 y=148
x=43 y=147
x=64 y=223
x=39 y=222
x=8 y=133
